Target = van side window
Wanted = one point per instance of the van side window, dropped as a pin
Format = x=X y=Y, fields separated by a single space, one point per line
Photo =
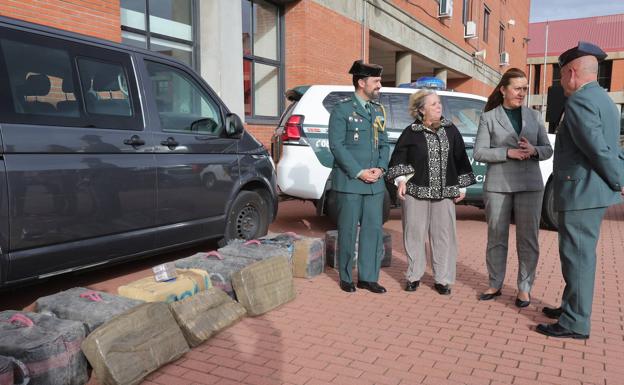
x=105 y=87
x=39 y=87
x=183 y=105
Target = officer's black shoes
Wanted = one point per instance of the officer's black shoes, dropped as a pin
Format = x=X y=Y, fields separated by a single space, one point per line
x=552 y=312
x=349 y=287
x=442 y=289
x=371 y=286
x=412 y=286
x=489 y=296
x=558 y=331
x=521 y=303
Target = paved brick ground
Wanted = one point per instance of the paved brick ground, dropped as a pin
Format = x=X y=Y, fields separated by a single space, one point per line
x=327 y=336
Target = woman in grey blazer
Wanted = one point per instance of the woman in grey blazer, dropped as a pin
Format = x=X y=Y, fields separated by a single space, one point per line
x=512 y=140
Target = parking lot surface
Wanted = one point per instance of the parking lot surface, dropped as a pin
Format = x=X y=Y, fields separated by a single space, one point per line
x=326 y=336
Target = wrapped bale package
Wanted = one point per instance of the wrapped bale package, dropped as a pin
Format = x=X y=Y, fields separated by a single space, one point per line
x=134 y=344
x=187 y=283
x=331 y=249
x=257 y=250
x=93 y=308
x=205 y=314
x=13 y=372
x=308 y=254
x=49 y=347
x=219 y=268
x=264 y=285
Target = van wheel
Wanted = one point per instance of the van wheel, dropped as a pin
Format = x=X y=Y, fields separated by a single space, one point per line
x=331 y=208
x=549 y=215
x=248 y=218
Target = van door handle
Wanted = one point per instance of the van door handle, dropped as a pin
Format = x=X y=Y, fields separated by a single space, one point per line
x=134 y=141
x=170 y=142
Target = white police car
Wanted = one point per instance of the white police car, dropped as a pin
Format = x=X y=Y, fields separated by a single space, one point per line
x=300 y=146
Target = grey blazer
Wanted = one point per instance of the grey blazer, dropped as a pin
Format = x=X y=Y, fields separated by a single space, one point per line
x=495 y=135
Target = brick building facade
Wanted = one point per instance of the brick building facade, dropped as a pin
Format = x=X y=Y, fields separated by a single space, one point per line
x=286 y=43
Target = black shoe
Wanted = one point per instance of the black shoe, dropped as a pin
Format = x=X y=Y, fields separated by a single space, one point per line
x=349 y=287
x=558 y=331
x=489 y=296
x=371 y=286
x=552 y=312
x=521 y=303
x=442 y=289
x=412 y=286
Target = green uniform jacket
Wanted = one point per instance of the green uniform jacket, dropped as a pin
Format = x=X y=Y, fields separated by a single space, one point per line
x=351 y=141
x=588 y=160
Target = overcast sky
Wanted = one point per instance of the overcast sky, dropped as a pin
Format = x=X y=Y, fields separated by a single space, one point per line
x=542 y=10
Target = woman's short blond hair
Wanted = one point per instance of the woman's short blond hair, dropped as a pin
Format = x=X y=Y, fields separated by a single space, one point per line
x=417 y=102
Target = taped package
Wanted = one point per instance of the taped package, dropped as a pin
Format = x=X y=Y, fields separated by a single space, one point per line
x=187 y=283
x=49 y=347
x=264 y=285
x=13 y=372
x=132 y=345
x=93 y=308
x=205 y=314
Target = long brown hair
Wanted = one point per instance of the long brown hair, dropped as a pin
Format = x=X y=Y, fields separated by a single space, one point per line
x=496 y=97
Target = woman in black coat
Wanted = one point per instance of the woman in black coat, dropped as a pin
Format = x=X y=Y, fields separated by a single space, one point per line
x=431 y=169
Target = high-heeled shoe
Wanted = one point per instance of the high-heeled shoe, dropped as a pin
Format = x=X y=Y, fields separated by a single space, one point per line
x=489 y=296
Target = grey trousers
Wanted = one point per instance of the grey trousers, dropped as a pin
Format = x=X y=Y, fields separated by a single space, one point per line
x=432 y=220
x=526 y=206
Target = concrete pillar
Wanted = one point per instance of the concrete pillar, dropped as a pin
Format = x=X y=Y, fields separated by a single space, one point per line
x=441 y=73
x=403 y=73
x=221 y=50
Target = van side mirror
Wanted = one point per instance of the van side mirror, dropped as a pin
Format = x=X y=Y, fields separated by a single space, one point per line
x=233 y=125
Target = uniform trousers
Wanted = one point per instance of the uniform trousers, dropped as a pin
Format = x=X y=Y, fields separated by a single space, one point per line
x=578 y=236
x=434 y=221
x=365 y=210
x=526 y=207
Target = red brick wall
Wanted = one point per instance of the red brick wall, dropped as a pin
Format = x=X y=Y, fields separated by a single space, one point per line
x=426 y=12
x=617 y=76
x=320 y=46
x=99 y=18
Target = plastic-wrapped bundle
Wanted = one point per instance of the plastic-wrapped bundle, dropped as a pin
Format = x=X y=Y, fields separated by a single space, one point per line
x=187 y=283
x=205 y=314
x=13 y=372
x=132 y=345
x=308 y=254
x=93 y=308
x=264 y=285
x=219 y=268
x=331 y=249
x=48 y=346
x=259 y=249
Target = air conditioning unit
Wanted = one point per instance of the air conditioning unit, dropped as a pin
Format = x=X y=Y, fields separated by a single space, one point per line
x=470 y=30
x=446 y=8
x=504 y=58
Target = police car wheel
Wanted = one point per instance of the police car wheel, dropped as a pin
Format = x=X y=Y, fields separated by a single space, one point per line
x=248 y=217
x=549 y=215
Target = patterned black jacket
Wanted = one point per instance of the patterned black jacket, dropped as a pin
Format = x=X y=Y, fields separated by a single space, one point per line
x=437 y=160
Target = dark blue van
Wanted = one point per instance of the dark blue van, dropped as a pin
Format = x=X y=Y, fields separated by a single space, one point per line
x=109 y=152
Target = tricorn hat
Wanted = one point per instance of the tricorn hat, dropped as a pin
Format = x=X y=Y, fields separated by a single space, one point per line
x=361 y=69
x=582 y=49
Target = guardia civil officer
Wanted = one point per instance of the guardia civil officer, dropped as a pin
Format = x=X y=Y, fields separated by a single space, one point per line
x=588 y=176
x=359 y=143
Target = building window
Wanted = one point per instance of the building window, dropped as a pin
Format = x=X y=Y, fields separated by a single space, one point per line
x=486 y=22
x=501 y=38
x=604 y=74
x=262 y=59
x=466 y=11
x=164 y=26
x=556 y=75
x=537 y=73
